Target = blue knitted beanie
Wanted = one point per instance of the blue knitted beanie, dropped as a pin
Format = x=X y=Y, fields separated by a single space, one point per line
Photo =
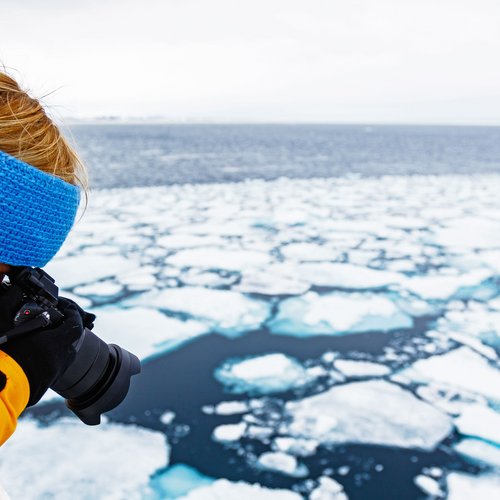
x=37 y=211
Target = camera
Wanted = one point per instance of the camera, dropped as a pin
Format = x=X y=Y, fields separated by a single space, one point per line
x=99 y=378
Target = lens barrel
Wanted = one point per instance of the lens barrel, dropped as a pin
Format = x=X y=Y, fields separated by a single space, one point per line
x=98 y=379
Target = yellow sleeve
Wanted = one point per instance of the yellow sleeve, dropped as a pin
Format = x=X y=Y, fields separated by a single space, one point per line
x=13 y=397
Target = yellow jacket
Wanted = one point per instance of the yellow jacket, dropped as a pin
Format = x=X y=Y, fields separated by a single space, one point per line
x=14 y=395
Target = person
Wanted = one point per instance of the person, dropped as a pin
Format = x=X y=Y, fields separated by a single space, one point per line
x=41 y=179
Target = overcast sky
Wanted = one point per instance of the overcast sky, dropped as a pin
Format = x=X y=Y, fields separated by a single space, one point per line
x=369 y=61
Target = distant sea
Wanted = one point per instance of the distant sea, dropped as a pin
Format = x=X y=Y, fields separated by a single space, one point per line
x=152 y=155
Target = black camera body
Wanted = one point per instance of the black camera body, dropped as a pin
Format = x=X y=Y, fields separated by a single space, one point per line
x=99 y=378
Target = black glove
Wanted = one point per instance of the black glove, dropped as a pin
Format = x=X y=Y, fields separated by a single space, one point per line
x=43 y=354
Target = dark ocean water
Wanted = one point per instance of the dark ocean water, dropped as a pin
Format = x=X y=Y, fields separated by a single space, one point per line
x=150 y=155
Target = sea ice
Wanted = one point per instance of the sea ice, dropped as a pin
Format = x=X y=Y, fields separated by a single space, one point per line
x=263 y=374
x=328 y=489
x=282 y=462
x=478 y=451
x=481 y=233
x=176 y=481
x=443 y=286
x=108 y=461
x=480 y=422
x=346 y=276
x=218 y=258
x=463 y=486
x=145 y=332
x=229 y=432
x=296 y=446
x=71 y=271
x=222 y=489
x=100 y=289
x=428 y=485
x=224 y=311
x=337 y=313
x=231 y=407
x=309 y=252
x=372 y=412
x=460 y=368
x=476 y=320
x=276 y=279
x=181 y=241
x=353 y=368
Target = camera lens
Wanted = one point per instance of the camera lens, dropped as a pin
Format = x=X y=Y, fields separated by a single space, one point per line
x=98 y=379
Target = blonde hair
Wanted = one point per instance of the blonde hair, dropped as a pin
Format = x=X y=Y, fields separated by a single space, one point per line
x=27 y=133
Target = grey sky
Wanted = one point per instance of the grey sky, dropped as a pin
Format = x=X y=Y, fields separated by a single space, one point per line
x=399 y=61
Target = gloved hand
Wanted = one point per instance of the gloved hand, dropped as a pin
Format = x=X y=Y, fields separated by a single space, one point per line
x=45 y=353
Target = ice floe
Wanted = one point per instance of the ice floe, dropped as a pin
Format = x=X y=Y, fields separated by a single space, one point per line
x=229 y=432
x=109 y=461
x=482 y=233
x=429 y=486
x=281 y=462
x=222 y=310
x=328 y=489
x=480 y=452
x=263 y=374
x=224 y=489
x=463 y=486
x=353 y=368
x=145 y=332
x=479 y=421
x=82 y=269
x=218 y=258
x=443 y=286
x=461 y=368
x=372 y=412
x=337 y=313
x=339 y=275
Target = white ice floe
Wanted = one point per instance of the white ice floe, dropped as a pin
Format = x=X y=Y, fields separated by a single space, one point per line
x=372 y=412
x=443 y=286
x=475 y=320
x=276 y=279
x=338 y=313
x=310 y=252
x=71 y=271
x=226 y=490
x=145 y=332
x=480 y=422
x=328 y=489
x=218 y=258
x=167 y=417
x=346 y=276
x=222 y=310
x=263 y=374
x=463 y=486
x=110 y=461
x=229 y=432
x=429 y=486
x=353 y=368
x=231 y=407
x=460 y=368
x=282 y=462
x=181 y=241
x=100 y=289
x=478 y=451
x=481 y=233
x=296 y=446
x=138 y=280
x=195 y=277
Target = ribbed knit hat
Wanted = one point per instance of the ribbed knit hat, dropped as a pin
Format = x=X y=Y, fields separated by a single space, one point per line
x=37 y=211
